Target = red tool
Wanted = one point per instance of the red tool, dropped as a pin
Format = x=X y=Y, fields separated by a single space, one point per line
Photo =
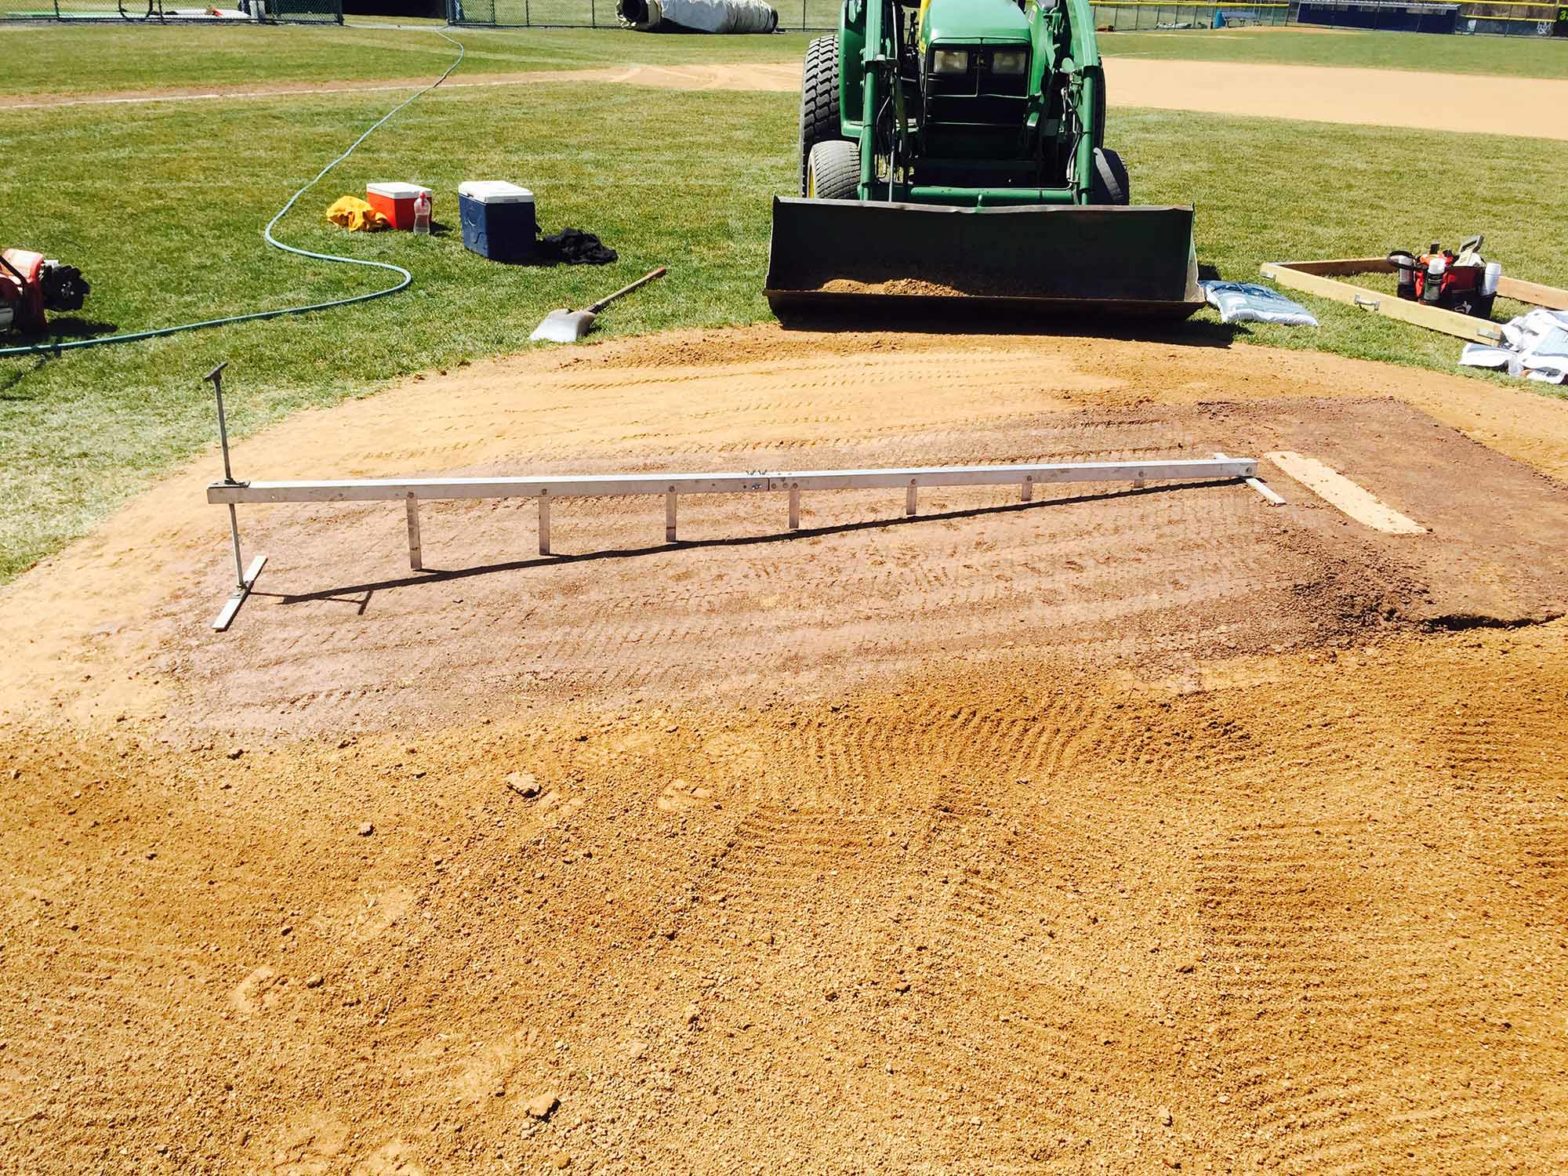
x=1461 y=282
x=31 y=284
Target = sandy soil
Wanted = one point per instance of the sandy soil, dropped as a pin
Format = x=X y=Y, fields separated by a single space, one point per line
x=1390 y=98
x=1116 y=832
x=1440 y=102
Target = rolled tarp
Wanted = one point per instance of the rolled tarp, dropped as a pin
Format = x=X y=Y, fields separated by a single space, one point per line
x=697 y=16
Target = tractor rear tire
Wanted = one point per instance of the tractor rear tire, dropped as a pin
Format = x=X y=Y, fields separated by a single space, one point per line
x=1110 y=178
x=818 y=99
x=833 y=171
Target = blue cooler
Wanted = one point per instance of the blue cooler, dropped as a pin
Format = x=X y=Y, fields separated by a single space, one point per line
x=498 y=219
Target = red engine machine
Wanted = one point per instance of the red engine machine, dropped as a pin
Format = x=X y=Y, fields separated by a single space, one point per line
x=31 y=284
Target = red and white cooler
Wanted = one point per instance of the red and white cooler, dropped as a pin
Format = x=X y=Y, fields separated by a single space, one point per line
x=395 y=201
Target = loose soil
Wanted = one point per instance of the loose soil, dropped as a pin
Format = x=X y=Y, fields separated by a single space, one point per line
x=915 y=286
x=1397 y=98
x=1120 y=830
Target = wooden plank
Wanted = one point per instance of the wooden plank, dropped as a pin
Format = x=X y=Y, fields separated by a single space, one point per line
x=1533 y=292
x=1339 y=491
x=1433 y=318
x=1338 y=267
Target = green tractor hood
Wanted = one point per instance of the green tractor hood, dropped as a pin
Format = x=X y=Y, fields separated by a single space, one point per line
x=972 y=22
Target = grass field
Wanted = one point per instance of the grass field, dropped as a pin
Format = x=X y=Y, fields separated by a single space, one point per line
x=163 y=210
x=43 y=59
x=1521 y=57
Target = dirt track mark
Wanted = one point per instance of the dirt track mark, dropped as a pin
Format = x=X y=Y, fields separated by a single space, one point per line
x=1307 y=928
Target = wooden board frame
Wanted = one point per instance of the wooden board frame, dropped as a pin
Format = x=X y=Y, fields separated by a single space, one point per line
x=1318 y=277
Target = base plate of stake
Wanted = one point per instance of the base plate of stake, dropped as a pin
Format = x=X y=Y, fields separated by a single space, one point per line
x=241 y=590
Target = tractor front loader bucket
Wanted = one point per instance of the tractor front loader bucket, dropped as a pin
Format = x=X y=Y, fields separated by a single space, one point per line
x=834 y=257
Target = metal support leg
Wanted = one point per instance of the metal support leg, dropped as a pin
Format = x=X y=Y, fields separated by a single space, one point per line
x=1269 y=494
x=794 y=507
x=544 y=522
x=1027 y=493
x=911 y=498
x=669 y=517
x=416 y=559
x=244 y=578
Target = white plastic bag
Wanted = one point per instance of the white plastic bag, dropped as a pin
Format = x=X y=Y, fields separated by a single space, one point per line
x=1248 y=302
x=1534 y=347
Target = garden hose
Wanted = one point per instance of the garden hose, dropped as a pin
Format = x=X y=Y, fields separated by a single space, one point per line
x=405 y=279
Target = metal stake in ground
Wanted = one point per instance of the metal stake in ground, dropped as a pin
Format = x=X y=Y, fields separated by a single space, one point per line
x=244 y=577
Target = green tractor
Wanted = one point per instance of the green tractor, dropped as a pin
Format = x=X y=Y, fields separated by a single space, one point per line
x=953 y=150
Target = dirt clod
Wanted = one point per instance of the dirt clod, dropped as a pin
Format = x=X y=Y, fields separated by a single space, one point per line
x=542 y=1106
x=525 y=784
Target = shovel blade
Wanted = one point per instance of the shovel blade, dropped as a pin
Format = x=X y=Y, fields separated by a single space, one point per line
x=564 y=326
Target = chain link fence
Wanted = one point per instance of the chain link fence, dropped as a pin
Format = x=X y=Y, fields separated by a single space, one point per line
x=174 y=11
x=822 y=15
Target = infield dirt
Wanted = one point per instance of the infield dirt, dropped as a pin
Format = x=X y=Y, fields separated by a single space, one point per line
x=1122 y=830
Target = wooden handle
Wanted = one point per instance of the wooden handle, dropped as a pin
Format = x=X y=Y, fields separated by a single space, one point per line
x=642 y=281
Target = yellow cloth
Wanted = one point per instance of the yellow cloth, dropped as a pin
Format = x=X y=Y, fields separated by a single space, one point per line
x=356 y=216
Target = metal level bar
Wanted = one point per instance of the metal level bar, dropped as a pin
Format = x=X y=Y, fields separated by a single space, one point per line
x=612 y=485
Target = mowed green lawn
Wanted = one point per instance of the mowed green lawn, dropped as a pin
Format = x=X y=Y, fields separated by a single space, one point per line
x=1519 y=57
x=162 y=206
x=42 y=59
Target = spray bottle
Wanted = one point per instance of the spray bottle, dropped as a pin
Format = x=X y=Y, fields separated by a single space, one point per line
x=1436 y=266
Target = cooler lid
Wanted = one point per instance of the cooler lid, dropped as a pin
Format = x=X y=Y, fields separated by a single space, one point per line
x=495 y=192
x=395 y=190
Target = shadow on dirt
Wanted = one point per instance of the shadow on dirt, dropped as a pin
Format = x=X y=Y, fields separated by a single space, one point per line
x=359 y=594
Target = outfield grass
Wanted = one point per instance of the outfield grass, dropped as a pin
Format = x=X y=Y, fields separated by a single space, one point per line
x=74 y=60
x=1520 y=57
x=163 y=210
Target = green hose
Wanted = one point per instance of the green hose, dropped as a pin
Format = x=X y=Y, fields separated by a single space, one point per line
x=405 y=279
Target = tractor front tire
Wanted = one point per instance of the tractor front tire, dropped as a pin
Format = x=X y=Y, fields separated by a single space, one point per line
x=1110 y=178
x=818 y=99
x=833 y=171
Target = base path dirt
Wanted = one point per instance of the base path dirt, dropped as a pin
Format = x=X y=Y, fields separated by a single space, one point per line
x=1530 y=107
x=1395 y=98
x=1128 y=829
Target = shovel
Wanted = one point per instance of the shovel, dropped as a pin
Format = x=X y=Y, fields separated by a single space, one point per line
x=569 y=326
